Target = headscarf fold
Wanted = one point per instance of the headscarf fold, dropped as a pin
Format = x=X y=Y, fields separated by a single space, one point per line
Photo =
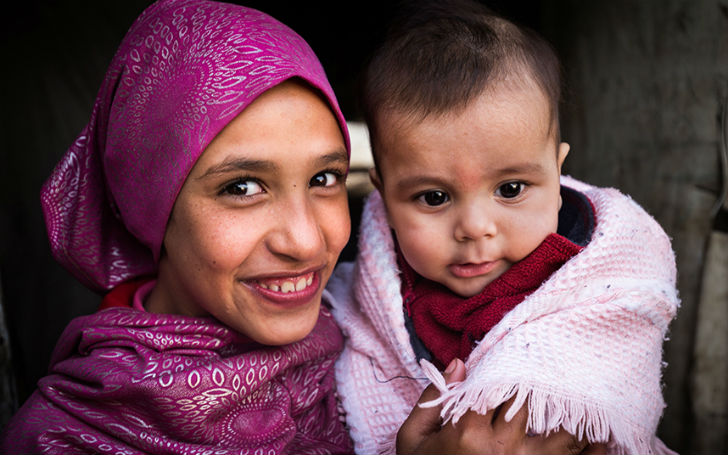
x=183 y=71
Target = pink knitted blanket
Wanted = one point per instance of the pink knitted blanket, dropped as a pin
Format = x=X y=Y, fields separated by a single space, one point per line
x=583 y=352
x=130 y=382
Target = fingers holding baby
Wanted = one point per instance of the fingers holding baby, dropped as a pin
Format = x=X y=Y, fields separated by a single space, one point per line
x=494 y=432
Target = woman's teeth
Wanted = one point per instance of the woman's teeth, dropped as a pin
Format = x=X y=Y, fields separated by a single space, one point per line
x=287 y=286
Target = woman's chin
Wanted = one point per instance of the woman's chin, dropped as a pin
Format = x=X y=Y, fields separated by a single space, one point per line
x=280 y=330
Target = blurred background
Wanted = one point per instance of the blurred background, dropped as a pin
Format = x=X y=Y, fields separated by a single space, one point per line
x=647 y=84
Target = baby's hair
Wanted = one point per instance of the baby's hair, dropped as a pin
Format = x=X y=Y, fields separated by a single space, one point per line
x=438 y=56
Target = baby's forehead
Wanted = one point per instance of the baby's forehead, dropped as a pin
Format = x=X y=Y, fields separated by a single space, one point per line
x=506 y=102
x=518 y=95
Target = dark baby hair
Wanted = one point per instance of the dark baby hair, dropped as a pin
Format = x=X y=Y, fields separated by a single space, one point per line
x=439 y=56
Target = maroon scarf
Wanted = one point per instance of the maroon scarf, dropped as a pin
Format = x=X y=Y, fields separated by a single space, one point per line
x=449 y=325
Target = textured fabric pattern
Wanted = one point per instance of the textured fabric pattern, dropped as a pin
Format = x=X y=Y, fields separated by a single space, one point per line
x=183 y=71
x=584 y=351
x=449 y=325
x=130 y=382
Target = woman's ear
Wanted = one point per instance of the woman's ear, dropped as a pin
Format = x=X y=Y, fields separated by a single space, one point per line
x=562 y=153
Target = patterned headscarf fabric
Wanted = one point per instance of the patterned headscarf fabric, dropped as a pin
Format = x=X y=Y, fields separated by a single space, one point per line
x=184 y=70
x=124 y=381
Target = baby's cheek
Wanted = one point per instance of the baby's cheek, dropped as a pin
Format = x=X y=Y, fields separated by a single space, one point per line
x=426 y=258
x=529 y=234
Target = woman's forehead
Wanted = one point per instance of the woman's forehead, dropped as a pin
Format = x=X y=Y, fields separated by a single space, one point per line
x=288 y=125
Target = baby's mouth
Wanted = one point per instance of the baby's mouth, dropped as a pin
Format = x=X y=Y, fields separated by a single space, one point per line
x=470 y=270
x=288 y=284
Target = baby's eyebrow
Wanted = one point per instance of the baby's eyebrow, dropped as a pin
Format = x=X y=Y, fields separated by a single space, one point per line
x=418 y=180
x=522 y=168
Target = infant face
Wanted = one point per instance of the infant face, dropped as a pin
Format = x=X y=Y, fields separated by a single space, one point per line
x=471 y=192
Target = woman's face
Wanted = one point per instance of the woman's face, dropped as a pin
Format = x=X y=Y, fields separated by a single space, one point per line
x=260 y=221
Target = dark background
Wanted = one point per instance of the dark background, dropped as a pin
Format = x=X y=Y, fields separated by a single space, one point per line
x=647 y=82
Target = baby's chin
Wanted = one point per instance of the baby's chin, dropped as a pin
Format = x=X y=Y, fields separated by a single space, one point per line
x=472 y=286
x=467 y=290
x=465 y=279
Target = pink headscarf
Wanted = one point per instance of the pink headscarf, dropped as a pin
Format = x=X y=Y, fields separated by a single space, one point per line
x=128 y=381
x=184 y=70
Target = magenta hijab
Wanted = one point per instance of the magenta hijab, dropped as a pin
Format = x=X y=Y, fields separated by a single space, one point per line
x=127 y=381
x=184 y=70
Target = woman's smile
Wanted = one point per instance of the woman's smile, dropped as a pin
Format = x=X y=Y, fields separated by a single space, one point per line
x=288 y=291
x=287 y=285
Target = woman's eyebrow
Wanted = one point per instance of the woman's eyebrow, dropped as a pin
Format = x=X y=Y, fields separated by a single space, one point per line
x=339 y=156
x=253 y=165
x=239 y=164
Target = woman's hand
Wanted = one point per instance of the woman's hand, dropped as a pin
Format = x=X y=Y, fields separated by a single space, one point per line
x=423 y=432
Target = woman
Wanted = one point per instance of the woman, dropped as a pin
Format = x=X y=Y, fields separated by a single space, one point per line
x=213 y=336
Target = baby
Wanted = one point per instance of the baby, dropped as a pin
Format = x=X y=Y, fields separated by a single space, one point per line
x=556 y=293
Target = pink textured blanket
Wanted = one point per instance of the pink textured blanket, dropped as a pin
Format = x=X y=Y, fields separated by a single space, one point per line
x=123 y=381
x=583 y=352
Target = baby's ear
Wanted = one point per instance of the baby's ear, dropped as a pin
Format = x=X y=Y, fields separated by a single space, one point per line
x=376 y=180
x=560 y=158
x=562 y=153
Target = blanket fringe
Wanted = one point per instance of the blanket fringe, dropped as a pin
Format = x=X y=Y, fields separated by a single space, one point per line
x=547 y=412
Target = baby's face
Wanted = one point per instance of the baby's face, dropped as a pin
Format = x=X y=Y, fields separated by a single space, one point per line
x=471 y=193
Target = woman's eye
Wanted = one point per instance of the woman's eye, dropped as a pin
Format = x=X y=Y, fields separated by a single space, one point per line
x=324 y=179
x=510 y=190
x=241 y=187
x=434 y=198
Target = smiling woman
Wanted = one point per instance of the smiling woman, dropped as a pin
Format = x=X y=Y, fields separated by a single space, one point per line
x=259 y=223
x=206 y=201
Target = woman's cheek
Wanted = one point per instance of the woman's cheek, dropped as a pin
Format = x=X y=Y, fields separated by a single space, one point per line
x=225 y=240
x=336 y=222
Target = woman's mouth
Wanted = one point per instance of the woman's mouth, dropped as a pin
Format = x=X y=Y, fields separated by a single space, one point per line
x=287 y=285
x=288 y=291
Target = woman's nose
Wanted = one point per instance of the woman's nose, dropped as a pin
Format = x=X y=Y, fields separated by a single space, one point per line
x=297 y=234
x=474 y=221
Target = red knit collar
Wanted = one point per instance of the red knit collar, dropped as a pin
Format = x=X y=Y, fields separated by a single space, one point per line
x=448 y=324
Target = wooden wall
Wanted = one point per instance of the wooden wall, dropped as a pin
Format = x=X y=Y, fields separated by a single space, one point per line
x=648 y=83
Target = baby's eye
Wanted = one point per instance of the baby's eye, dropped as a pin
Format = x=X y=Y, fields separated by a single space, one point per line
x=324 y=179
x=243 y=187
x=434 y=198
x=510 y=190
